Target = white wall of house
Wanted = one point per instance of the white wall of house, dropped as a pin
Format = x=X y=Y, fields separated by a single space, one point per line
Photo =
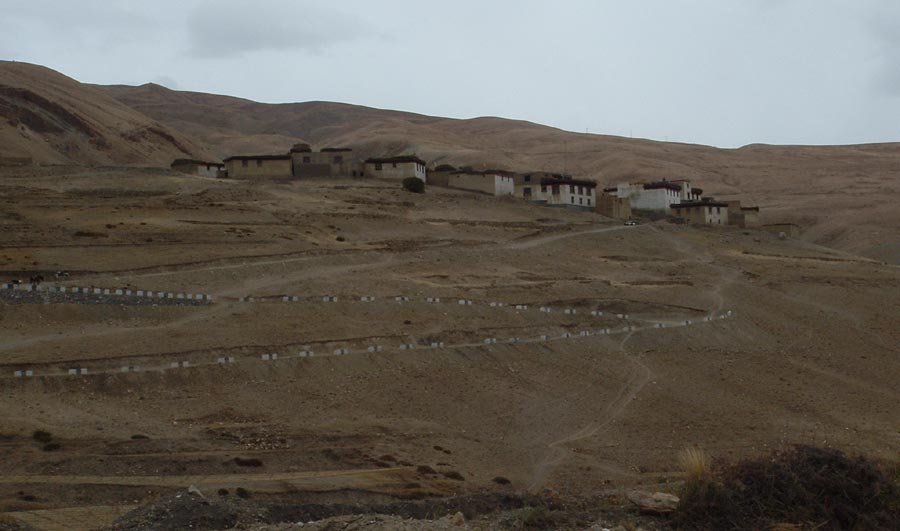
x=571 y=195
x=658 y=199
x=504 y=185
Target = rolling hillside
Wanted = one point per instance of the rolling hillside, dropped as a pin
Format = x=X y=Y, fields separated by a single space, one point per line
x=842 y=196
x=56 y=120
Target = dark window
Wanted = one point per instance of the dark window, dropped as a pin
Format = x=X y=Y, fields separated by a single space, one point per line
x=259 y=163
x=378 y=167
x=528 y=178
x=306 y=160
x=572 y=199
x=580 y=200
x=544 y=188
x=526 y=191
x=589 y=201
x=571 y=188
x=338 y=159
x=555 y=189
x=395 y=164
x=244 y=163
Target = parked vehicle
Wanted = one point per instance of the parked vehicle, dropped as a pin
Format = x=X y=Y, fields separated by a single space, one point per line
x=631 y=223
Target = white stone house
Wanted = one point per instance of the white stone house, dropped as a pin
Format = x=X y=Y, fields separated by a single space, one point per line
x=658 y=196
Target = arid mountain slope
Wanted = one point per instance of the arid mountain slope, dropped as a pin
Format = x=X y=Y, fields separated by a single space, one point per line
x=56 y=120
x=843 y=196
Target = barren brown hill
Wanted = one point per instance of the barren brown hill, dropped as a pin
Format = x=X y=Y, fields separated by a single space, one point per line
x=842 y=196
x=54 y=119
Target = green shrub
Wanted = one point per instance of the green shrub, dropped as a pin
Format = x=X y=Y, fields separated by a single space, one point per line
x=414 y=185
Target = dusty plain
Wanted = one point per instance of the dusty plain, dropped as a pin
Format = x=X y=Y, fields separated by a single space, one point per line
x=809 y=355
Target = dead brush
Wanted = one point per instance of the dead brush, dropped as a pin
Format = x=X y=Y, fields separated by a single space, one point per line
x=695 y=464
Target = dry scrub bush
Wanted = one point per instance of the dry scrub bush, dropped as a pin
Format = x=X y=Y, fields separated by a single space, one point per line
x=695 y=463
x=414 y=185
x=809 y=487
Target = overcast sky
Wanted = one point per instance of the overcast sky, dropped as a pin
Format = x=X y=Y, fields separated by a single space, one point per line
x=720 y=72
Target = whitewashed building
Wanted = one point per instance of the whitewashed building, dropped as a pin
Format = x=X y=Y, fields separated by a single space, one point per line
x=658 y=196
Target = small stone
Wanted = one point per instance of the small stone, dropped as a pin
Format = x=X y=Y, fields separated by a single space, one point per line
x=655 y=503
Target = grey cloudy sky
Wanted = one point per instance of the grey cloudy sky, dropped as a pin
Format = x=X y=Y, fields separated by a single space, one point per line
x=720 y=72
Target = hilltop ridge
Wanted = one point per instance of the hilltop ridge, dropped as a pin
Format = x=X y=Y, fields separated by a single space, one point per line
x=54 y=119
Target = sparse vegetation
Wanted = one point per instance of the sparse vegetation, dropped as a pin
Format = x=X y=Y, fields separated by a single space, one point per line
x=51 y=447
x=694 y=463
x=454 y=475
x=243 y=493
x=804 y=486
x=534 y=517
x=425 y=469
x=138 y=436
x=90 y=234
x=414 y=185
x=500 y=480
x=223 y=492
x=251 y=462
x=42 y=436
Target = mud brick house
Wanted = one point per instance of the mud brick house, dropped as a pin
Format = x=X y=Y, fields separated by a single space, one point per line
x=396 y=167
x=613 y=206
x=789 y=230
x=198 y=167
x=258 y=166
x=328 y=162
x=745 y=217
x=705 y=212
x=528 y=185
x=492 y=182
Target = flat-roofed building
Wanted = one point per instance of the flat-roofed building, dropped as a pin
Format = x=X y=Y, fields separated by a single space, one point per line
x=198 y=167
x=658 y=196
x=240 y=166
x=399 y=167
x=492 y=182
x=572 y=193
x=328 y=162
x=528 y=185
x=790 y=230
x=746 y=217
x=613 y=206
x=705 y=212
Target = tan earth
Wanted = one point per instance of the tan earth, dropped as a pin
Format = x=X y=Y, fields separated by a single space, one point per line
x=658 y=336
x=809 y=354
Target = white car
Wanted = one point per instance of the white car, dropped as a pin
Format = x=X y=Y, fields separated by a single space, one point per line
x=631 y=223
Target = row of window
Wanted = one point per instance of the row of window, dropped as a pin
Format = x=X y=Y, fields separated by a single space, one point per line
x=526 y=193
x=419 y=167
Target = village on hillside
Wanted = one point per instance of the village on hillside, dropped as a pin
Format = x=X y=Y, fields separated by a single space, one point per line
x=675 y=199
